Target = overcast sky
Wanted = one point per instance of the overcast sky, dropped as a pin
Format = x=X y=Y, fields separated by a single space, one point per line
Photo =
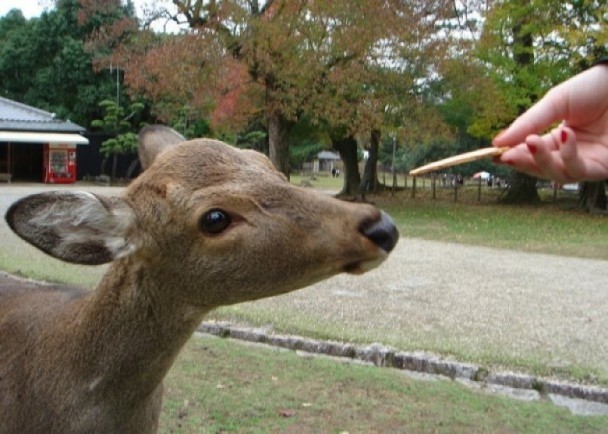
x=31 y=8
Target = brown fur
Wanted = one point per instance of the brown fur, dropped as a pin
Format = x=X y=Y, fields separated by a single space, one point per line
x=154 y=139
x=94 y=362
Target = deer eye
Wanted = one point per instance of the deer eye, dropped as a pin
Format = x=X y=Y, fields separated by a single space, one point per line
x=214 y=221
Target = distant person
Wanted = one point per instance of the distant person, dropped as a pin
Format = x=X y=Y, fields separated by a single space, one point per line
x=577 y=148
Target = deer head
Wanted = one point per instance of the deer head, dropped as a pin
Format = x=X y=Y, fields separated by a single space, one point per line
x=205 y=225
x=223 y=220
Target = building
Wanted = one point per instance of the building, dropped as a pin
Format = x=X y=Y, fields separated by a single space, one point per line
x=328 y=161
x=36 y=146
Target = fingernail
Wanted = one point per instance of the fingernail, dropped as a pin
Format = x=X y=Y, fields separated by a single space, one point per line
x=509 y=162
x=532 y=148
x=564 y=136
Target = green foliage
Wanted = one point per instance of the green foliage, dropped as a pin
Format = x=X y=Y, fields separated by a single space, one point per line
x=115 y=122
x=44 y=62
x=307 y=139
x=528 y=47
x=255 y=139
x=303 y=152
x=16 y=57
x=414 y=155
x=189 y=124
x=121 y=144
x=12 y=21
x=345 y=66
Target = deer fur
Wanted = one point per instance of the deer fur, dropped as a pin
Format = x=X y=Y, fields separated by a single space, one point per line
x=154 y=139
x=75 y=361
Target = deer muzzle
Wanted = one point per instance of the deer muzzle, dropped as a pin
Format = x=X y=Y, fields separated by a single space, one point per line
x=384 y=234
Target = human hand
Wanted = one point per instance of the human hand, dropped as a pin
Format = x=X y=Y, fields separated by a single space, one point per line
x=575 y=150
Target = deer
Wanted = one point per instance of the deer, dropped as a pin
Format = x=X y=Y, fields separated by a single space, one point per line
x=205 y=225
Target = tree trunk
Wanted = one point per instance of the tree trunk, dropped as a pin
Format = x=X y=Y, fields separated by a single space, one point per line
x=522 y=190
x=347 y=147
x=279 y=129
x=114 y=167
x=593 y=196
x=369 y=182
x=523 y=187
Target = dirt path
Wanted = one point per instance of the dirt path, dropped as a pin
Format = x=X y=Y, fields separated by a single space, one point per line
x=478 y=301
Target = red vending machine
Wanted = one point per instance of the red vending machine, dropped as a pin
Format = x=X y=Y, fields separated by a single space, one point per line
x=59 y=163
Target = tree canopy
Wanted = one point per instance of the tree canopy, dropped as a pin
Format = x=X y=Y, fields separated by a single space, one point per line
x=45 y=61
x=437 y=77
x=346 y=66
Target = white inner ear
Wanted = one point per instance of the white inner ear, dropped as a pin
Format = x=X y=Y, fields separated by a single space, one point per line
x=86 y=220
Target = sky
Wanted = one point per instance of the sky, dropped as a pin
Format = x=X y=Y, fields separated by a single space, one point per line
x=31 y=8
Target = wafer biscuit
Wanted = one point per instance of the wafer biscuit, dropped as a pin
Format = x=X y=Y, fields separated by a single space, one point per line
x=467 y=157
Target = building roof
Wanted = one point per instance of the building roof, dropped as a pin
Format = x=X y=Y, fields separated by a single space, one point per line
x=15 y=116
x=327 y=155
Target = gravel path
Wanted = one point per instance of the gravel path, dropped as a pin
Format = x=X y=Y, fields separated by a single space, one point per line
x=468 y=301
x=475 y=300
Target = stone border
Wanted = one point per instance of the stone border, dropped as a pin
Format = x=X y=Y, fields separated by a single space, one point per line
x=419 y=362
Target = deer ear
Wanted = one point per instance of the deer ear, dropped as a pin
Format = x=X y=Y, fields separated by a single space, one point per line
x=77 y=227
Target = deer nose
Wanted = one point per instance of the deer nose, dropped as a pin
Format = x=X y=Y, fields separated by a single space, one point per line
x=382 y=232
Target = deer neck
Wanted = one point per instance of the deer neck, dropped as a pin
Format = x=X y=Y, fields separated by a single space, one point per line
x=139 y=325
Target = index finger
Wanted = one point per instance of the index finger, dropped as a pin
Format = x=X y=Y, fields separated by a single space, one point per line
x=551 y=108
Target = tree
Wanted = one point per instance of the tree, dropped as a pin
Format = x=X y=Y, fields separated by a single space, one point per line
x=279 y=60
x=239 y=59
x=528 y=46
x=306 y=141
x=12 y=21
x=46 y=61
x=18 y=63
x=372 y=58
x=369 y=179
x=121 y=127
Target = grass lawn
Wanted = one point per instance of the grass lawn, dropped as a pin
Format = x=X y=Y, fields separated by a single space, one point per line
x=223 y=386
x=552 y=227
x=556 y=226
